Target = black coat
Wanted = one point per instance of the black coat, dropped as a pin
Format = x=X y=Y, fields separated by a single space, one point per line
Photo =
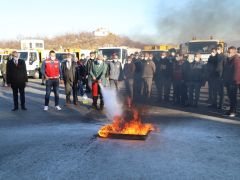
x=17 y=74
x=228 y=73
x=71 y=75
x=164 y=68
x=197 y=70
x=220 y=60
x=211 y=67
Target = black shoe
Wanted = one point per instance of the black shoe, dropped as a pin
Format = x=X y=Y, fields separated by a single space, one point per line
x=24 y=109
x=219 y=107
x=14 y=109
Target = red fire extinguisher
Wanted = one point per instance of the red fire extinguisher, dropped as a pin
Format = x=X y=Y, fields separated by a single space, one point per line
x=95 y=88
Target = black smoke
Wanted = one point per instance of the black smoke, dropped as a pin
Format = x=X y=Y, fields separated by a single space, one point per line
x=200 y=18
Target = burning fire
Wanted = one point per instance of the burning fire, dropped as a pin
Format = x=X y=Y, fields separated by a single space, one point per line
x=129 y=123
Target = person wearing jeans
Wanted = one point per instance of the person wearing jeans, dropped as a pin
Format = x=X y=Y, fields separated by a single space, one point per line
x=51 y=70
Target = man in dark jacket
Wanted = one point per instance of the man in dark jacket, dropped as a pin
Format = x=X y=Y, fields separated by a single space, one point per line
x=218 y=79
x=138 y=76
x=129 y=71
x=210 y=74
x=17 y=79
x=231 y=78
x=148 y=71
x=88 y=65
x=70 y=78
x=163 y=76
x=81 y=74
x=178 y=80
x=185 y=89
x=196 y=79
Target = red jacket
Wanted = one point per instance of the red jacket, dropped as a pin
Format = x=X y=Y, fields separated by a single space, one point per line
x=237 y=69
x=52 y=70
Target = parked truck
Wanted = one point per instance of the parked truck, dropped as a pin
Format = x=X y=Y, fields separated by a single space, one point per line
x=201 y=46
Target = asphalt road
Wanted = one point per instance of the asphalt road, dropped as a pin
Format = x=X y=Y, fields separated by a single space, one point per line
x=190 y=143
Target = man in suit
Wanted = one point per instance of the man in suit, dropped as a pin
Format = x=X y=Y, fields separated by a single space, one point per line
x=70 y=78
x=17 y=78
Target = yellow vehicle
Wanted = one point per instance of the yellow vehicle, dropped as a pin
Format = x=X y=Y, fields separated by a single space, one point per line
x=156 y=50
x=161 y=47
x=76 y=51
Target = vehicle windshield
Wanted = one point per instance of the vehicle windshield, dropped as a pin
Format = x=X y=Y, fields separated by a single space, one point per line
x=201 y=47
x=62 y=56
x=23 y=55
x=109 y=52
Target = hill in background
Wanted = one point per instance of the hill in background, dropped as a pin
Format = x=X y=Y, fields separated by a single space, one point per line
x=83 y=40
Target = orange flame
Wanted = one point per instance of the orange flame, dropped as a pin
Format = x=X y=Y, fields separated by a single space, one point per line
x=129 y=123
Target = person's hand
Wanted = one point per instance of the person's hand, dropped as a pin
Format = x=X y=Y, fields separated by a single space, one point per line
x=94 y=78
x=61 y=81
x=47 y=78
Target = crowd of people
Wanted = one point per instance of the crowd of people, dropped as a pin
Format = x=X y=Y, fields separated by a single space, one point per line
x=169 y=70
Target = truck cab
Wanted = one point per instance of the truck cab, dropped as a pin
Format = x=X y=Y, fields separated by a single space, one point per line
x=204 y=47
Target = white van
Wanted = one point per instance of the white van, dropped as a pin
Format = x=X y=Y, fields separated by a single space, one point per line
x=32 y=60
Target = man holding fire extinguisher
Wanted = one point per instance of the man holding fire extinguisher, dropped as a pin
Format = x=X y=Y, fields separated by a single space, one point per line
x=98 y=75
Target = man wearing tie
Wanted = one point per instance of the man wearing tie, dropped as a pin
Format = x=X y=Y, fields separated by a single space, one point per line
x=70 y=78
x=16 y=78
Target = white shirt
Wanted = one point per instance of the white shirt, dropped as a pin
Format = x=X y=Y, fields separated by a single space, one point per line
x=16 y=61
x=69 y=64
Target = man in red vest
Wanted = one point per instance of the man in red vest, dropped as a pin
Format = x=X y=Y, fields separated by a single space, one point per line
x=51 y=70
